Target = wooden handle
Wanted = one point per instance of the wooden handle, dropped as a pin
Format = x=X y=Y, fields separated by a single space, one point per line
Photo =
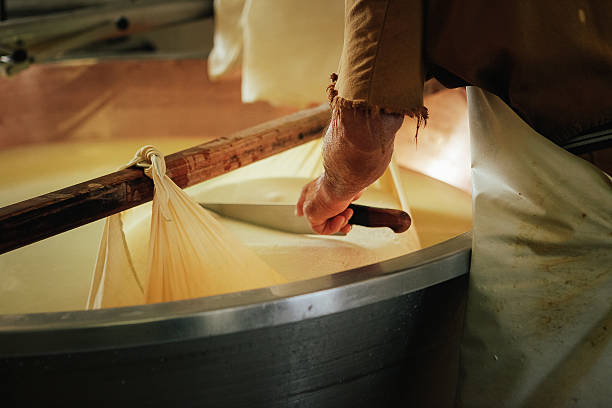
x=397 y=220
x=50 y=214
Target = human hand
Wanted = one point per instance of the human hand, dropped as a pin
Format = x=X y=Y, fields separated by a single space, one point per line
x=357 y=148
x=327 y=214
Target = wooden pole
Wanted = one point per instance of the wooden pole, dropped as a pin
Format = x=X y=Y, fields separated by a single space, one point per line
x=62 y=210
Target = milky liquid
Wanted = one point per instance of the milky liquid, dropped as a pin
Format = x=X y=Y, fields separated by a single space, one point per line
x=55 y=274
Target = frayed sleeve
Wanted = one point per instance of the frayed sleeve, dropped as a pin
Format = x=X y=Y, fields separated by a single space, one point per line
x=381 y=68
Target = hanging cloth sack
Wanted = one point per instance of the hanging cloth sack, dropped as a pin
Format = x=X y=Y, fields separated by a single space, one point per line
x=190 y=252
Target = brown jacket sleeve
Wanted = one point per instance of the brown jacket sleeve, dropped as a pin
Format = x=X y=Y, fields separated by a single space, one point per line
x=549 y=60
x=381 y=68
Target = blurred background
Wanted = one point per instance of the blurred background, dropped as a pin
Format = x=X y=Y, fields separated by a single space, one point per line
x=102 y=71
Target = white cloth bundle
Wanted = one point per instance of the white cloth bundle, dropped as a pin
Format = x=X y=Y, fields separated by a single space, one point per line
x=190 y=253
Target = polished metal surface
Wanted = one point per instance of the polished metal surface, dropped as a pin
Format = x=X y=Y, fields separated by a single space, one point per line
x=82 y=330
x=381 y=335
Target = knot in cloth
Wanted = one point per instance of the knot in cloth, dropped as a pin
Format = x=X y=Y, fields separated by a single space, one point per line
x=149 y=157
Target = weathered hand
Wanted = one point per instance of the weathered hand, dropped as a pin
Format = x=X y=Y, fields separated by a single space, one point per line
x=357 y=148
x=326 y=214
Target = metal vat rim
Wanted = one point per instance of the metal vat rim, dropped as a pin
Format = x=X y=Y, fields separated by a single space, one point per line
x=77 y=331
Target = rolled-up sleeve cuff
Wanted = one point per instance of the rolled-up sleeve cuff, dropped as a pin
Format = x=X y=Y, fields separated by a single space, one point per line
x=381 y=68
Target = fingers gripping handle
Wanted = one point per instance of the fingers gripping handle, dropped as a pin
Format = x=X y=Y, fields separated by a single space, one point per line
x=397 y=220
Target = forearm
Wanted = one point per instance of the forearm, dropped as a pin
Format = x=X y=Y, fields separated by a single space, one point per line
x=357 y=149
x=380 y=80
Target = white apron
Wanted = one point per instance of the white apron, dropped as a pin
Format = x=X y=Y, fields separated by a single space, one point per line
x=539 y=317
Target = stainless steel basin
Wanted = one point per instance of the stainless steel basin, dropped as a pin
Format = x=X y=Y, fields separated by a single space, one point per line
x=382 y=335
